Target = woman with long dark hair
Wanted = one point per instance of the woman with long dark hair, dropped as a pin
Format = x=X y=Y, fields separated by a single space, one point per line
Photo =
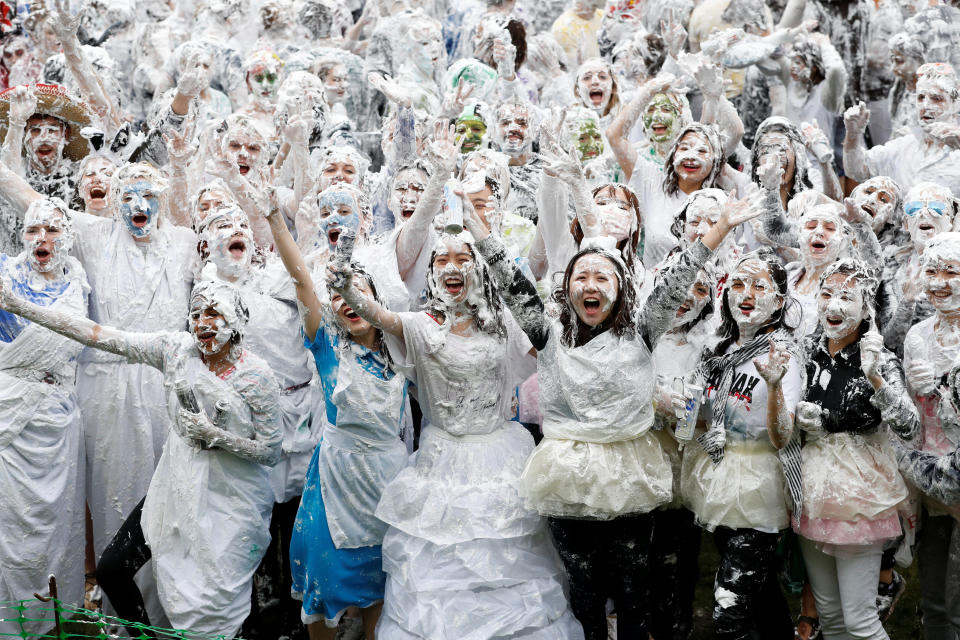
x=735 y=483
x=599 y=470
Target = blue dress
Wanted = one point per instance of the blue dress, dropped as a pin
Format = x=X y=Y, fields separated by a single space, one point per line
x=335 y=551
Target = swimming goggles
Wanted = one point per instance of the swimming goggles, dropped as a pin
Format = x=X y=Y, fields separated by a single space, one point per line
x=914 y=207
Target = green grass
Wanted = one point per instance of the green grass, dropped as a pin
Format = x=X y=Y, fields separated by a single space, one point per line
x=904 y=624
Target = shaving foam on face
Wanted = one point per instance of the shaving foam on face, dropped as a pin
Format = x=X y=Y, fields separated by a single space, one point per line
x=47 y=220
x=840 y=306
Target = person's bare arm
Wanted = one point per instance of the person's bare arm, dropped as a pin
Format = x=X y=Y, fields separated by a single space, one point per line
x=854 y=151
x=16 y=190
x=64 y=24
x=180 y=148
x=286 y=248
x=618 y=133
x=779 y=418
x=23 y=104
x=441 y=154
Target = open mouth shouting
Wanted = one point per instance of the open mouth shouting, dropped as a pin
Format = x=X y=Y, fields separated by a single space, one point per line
x=746 y=307
x=834 y=322
x=98 y=192
x=207 y=337
x=406 y=212
x=453 y=285
x=333 y=234
x=243 y=167
x=818 y=246
x=350 y=314
x=592 y=305
x=140 y=220
x=237 y=247
x=597 y=96
x=869 y=210
x=683 y=309
x=926 y=227
x=42 y=255
x=46 y=151
x=659 y=129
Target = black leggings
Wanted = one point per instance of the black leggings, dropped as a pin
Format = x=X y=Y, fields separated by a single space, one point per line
x=747 y=598
x=123 y=557
x=606 y=559
x=674 y=570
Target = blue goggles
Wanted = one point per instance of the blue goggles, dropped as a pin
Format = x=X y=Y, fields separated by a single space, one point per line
x=914 y=207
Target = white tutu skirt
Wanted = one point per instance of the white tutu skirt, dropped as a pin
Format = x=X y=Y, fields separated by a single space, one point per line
x=574 y=479
x=744 y=491
x=465 y=559
x=852 y=489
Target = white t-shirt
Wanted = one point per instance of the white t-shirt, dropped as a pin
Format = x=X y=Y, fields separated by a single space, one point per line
x=746 y=415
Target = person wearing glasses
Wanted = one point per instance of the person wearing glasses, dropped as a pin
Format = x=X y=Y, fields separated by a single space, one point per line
x=929 y=152
x=928 y=209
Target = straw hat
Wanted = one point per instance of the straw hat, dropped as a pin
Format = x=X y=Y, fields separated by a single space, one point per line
x=53 y=100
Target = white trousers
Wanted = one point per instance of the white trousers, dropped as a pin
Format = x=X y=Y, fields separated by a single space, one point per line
x=845 y=589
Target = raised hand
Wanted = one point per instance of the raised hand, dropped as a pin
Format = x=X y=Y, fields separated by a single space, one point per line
x=773 y=370
x=871 y=346
x=180 y=146
x=297 y=130
x=389 y=87
x=562 y=164
x=23 y=104
x=709 y=78
x=339 y=275
x=770 y=173
x=856 y=118
x=736 y=212
x=853 y=213
x=504 y=53
x=193 y=80
x=673 y=34
x=443 y=150
x=65 y=24
x=816 y=141
x=454 y=102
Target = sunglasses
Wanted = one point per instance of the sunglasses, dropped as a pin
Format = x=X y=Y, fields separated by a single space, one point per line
x=914 y=207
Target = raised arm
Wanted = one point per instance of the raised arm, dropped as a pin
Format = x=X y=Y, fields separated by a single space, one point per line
x=23 y=104
x=180 y=149
x=816 y=142
x=64 y=24
x=618 y=133
x=441 y=155
x=311 y=310
x=15 y=189
x=716 y=108
x=78 y=328
x=854 y=151
x=519 y=293
x=779 y=418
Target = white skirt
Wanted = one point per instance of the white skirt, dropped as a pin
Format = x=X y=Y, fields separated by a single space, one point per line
x=574 y=479
x=465 y=559
x=744 y=491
